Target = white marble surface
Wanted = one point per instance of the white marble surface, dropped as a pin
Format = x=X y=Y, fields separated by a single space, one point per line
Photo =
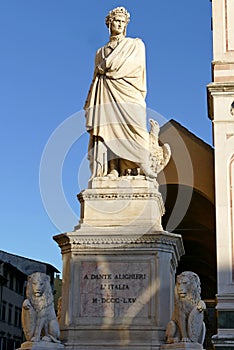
x=41 y=345
x=131 y=203
x=102 y=306
x=182 y=346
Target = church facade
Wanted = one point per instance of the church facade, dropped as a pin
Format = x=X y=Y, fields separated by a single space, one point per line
x=221 y=112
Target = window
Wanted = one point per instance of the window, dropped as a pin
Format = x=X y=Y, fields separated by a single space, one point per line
x=19 y=288
x=10 y=313
x=11 y=284
x=4 y=344
x=5 y=272
x=17 y=319
x=10 y=344
x=3 y=311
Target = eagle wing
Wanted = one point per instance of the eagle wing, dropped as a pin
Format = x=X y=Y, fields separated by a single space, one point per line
x=166 y=155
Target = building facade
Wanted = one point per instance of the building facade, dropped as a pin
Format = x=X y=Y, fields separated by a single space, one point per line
x=187 y=185
x=12 y=294
x=221 y=112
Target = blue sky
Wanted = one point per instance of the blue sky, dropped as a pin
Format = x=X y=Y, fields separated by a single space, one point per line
x=46 y=66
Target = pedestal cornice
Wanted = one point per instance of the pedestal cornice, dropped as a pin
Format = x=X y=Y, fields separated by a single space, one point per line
x=111 y=240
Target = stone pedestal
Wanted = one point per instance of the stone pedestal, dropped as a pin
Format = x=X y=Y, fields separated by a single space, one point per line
x=182 y=346
x=118 y=276
x=123 y=202
x=41 y=345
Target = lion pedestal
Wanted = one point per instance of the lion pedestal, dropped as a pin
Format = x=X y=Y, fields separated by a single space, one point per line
x=182 y=346
x=118 y=277
x=41 y=345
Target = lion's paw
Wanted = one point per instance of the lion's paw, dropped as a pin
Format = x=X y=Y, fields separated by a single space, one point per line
x=186 y=340
x=35 y=339
x=46 y=338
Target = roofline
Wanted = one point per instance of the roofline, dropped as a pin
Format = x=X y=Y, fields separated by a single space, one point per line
x=186 y=131
x=25 y=258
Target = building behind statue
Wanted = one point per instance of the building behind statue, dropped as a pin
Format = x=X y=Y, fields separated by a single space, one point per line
x=187 y=184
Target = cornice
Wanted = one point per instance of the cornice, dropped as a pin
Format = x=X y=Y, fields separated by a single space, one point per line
x=220 y=87
x=72 y=241
x=116 y=195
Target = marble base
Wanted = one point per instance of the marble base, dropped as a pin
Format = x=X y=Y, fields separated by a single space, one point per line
x=139 y=181
x=41 y=345
x=182 y=346
x=118 y=268
x=117 y=287
x=126 y=201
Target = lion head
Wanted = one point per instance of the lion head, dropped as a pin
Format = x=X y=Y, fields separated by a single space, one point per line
x=38 y=287
x=188 y=287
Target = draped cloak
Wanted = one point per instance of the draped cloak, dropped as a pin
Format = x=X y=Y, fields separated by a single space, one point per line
x=115 y=106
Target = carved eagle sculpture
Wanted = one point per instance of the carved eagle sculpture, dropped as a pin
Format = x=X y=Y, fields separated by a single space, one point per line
x=159 y=155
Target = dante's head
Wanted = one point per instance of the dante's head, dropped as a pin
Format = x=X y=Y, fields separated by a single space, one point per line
x=117 y=20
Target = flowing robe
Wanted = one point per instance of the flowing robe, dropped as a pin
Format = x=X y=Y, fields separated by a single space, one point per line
x=115 y=106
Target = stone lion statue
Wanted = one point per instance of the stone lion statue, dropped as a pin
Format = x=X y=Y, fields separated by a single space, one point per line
x=187 y=323
x=38 y=316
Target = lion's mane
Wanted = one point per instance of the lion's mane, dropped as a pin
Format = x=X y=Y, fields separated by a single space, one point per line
x=46 y=299
x=192 y=297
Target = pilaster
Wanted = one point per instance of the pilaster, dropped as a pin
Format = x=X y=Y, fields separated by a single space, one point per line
x=221 y=112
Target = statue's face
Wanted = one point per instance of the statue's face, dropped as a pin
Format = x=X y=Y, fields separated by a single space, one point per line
x=118 y=24
x=38 y=287
x=182 y=286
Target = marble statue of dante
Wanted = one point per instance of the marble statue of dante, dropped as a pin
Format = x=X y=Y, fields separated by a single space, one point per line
x=115 y=107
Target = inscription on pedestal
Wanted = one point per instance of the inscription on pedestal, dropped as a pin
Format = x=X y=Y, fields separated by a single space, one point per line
x=115 y=289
